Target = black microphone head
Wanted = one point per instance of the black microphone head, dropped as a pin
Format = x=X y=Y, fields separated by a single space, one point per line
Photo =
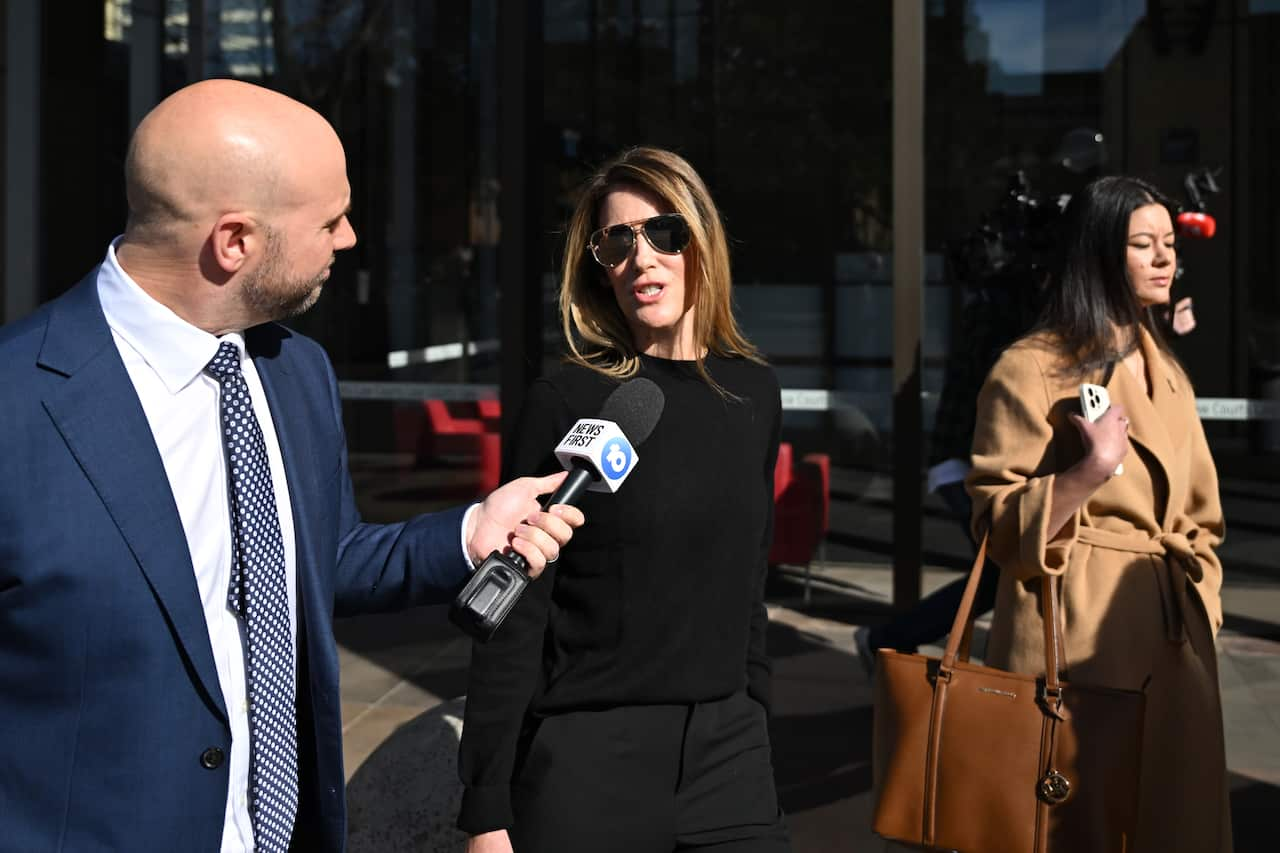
x=635 y=407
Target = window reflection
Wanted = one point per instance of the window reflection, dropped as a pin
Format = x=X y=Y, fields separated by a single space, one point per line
x=787 y=113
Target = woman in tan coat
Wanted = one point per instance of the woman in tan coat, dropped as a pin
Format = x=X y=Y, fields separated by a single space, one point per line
x=1135 y=546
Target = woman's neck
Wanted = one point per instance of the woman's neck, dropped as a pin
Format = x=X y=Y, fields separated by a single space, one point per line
x=1126 y=339
x=674 y=350
x=1135 y=361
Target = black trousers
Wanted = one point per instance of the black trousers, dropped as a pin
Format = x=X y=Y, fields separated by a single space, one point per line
x=650 y=779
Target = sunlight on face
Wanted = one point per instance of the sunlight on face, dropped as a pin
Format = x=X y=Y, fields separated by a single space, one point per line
x=1151 y=257
x=650 y=285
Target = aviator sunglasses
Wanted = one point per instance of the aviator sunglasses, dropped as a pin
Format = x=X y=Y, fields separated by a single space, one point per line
x=667 y=233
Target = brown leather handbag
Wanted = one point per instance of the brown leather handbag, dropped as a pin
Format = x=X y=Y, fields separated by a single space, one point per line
x=979 y=760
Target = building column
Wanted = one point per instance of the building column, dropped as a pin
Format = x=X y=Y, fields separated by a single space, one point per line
x=408 y=317
x=146 y=49
x=22 y=105
x=197 y=48
x=519 y=172
x=908 y=296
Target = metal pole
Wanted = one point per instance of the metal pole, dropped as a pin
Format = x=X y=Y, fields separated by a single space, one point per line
x=908 y=293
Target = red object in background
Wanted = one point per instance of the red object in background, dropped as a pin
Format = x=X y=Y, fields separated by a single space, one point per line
x=782 y=470
x=802 y=506
x=1196 y=224
x=465 y=429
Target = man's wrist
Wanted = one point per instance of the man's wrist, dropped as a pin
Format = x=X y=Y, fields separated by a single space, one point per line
x=468 y=530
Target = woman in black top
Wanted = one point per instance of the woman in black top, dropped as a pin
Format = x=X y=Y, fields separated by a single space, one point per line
x=622 y=705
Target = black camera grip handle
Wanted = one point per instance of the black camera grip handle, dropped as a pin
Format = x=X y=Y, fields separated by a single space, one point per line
x=498 y=583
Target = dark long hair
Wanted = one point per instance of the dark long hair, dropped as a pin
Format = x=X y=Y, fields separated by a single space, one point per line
x=1089 y=296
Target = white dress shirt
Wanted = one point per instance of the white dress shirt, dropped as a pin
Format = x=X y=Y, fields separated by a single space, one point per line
x=165 y=357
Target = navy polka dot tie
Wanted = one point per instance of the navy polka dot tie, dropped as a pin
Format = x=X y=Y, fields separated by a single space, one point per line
x=258 y=596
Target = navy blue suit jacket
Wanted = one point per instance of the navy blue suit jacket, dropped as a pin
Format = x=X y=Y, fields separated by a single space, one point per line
x=108 y=692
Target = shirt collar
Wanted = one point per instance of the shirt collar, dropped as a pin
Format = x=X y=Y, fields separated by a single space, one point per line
x=176 y=350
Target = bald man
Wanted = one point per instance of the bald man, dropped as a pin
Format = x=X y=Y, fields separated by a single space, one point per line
x=177 y=525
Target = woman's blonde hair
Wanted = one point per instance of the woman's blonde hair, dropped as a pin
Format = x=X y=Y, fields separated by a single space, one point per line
x=595 y=329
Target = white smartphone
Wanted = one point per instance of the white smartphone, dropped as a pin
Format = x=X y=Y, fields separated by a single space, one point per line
x=1094 y=402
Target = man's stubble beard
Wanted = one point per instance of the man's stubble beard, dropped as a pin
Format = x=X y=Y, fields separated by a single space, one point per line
x=271 y=294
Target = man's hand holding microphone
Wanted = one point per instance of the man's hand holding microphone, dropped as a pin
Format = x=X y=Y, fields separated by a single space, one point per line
x=598 y=454
x=538 y=535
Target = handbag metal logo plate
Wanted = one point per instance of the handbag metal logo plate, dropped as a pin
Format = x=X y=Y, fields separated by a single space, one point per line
x=1054 y=788
x=1008 y=693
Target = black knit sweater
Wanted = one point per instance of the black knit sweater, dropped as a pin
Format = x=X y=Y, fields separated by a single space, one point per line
x=658 y=599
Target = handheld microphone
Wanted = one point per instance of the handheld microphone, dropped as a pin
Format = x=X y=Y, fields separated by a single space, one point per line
x=599 y=454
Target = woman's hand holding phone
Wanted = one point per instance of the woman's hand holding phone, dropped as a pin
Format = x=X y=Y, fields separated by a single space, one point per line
x=1104 y=429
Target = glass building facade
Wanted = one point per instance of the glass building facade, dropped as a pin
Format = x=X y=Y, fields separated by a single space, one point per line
x=468 y=126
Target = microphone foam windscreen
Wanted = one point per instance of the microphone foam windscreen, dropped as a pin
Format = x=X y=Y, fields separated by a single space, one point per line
x=635 y=407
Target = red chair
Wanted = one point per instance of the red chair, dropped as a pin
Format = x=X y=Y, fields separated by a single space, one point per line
x=802 y=510
x=469 y=429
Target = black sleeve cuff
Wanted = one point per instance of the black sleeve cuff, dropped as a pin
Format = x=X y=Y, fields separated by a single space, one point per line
x=485 y=808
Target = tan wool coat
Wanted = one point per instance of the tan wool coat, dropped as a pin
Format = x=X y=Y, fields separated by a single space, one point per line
x=1140 y=578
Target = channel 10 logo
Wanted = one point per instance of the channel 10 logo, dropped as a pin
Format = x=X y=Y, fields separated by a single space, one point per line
x=615 y=458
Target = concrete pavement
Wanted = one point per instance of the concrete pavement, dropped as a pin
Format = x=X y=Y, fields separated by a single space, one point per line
x=404 y=676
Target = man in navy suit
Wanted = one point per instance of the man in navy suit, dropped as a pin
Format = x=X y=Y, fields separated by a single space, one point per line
x=177 y=524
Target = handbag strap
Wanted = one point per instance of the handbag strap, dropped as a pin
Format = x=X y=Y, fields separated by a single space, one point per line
x=962 y=628
x=961 y=635
x=1049 y=605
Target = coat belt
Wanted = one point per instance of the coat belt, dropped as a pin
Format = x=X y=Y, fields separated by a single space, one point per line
x=1178 y=567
